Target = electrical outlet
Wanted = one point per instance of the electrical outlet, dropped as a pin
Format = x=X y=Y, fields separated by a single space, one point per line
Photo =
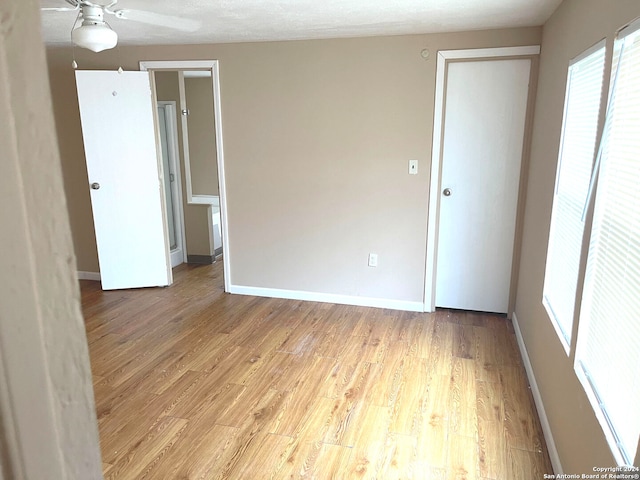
x=373 y=259
x=413 y=167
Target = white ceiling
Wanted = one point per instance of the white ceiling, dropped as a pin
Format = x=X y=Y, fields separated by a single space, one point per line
x=224 y=21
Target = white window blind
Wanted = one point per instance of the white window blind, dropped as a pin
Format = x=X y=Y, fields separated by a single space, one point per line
x=608 y=345
x=575 y=161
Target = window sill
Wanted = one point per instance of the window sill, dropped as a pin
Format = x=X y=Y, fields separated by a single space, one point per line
x=556 y=326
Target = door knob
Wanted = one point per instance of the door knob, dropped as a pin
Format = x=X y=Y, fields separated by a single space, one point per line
x=446 y=192
x=95 y=186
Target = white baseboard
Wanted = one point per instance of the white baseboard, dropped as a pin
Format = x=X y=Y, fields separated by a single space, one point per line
x=89 y=276
x=544 y=421
x=328 y=298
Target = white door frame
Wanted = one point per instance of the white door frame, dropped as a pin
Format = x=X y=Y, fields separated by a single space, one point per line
x=173 y=150
x=213 y=66
x=444 y=57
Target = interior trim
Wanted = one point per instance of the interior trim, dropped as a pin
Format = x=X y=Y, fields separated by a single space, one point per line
x=537 y=397
x=89 y=276
x=201 y=259
x=327 y=298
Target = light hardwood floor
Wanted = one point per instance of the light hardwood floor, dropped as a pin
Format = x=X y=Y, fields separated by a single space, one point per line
x=191 y=382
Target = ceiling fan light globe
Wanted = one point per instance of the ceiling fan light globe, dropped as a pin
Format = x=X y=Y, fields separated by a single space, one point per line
x=95 y=37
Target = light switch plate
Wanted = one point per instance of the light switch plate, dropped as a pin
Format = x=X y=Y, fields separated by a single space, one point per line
x=413 y=167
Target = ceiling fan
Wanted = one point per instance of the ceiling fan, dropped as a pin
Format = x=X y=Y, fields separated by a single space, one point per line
x=96 y=34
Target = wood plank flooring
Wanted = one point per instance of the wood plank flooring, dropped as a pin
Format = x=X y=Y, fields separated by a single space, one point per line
x=193 y=383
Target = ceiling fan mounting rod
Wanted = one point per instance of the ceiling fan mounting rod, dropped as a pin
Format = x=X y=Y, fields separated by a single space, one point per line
x=92 y=14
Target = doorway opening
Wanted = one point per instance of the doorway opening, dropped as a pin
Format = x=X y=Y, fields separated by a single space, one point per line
x=194 y=88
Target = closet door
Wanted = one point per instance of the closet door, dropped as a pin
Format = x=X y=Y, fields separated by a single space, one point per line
x=484 y=122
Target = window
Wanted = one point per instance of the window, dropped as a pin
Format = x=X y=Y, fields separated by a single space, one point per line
x=608 y=345
x=575 y=160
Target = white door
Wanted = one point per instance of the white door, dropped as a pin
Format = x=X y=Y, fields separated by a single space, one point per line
x=116 y=110
x=484 y=125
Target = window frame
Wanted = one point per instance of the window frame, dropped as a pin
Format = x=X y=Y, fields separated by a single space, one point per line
x=567 y=337
x=621 y=455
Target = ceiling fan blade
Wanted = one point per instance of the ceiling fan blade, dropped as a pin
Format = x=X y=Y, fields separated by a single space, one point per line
x=59 y=9
x=177 y=23
x=75 y=5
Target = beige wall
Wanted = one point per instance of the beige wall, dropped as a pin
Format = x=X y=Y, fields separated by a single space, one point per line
x=167 y=89
x=202 y=136
x=576 y=25
x=196 y=221
x=48 y=426
x=317 y=139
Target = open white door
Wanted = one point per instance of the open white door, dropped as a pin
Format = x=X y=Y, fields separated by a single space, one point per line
x=116 y=110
